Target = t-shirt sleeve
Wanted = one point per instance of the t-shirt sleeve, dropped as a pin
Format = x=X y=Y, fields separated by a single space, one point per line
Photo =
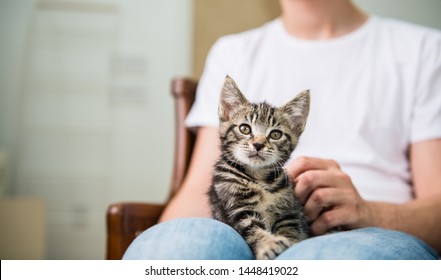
x=204 y=111
x=426 y=117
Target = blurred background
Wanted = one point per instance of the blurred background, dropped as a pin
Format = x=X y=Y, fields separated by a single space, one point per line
x=86 y=117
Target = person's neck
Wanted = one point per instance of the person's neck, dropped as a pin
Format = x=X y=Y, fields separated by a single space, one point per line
x=320 y=19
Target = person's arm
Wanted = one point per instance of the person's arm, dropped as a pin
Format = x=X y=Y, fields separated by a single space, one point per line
x=331 y=199
x=422 y=216
x=192 y=199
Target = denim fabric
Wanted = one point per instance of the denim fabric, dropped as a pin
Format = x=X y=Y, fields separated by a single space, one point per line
x=361 y=244
x=203 y=238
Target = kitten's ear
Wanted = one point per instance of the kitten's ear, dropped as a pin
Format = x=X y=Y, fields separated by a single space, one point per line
x=297 y=111
x=231 y=100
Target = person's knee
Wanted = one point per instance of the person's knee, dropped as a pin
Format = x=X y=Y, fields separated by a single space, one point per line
x=367 y=243
x=189 y=238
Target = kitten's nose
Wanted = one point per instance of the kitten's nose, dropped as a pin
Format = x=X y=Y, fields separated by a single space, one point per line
x=258 y=146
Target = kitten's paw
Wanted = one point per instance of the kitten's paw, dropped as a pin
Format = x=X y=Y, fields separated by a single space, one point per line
x=271 y=246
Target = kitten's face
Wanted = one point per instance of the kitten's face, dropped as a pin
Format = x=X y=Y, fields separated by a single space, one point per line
x=259 y=135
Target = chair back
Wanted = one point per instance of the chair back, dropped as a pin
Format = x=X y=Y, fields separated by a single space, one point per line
x=126 y=220
x=184 y=92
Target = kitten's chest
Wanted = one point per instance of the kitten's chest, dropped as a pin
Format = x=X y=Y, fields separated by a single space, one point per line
x=273 y=203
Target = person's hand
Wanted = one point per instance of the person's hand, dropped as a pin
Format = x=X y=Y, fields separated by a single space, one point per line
x=330 y=199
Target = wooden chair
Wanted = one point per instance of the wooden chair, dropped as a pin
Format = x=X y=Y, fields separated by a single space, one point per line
x=125 y=221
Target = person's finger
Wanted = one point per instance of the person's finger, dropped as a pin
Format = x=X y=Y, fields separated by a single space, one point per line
x=322 y=199
x=329 y=220
x=309 y=181
x=303 y=164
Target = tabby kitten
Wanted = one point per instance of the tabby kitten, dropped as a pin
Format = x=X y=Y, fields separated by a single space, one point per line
x=250 y=190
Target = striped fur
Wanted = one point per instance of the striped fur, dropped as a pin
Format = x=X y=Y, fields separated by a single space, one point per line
x=250 y=190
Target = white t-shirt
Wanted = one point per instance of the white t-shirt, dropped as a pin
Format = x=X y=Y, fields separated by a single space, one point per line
x=373 y=92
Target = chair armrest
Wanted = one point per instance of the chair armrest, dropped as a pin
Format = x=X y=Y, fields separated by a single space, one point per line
x=125 y=221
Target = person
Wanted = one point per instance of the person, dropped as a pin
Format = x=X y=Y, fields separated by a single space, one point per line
x=369 y=161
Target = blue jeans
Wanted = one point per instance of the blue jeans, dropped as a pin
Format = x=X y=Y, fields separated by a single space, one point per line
x=203 y=238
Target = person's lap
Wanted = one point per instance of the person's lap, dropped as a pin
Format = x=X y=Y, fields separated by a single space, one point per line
x=203 y=238
x=189 y=239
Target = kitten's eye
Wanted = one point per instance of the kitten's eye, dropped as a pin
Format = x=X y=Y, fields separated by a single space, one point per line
x=275 y=134
x=245 y=129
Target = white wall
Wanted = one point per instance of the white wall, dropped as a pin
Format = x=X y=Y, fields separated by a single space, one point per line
x=86 y=115
x=14 y=17
x=425 y=12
